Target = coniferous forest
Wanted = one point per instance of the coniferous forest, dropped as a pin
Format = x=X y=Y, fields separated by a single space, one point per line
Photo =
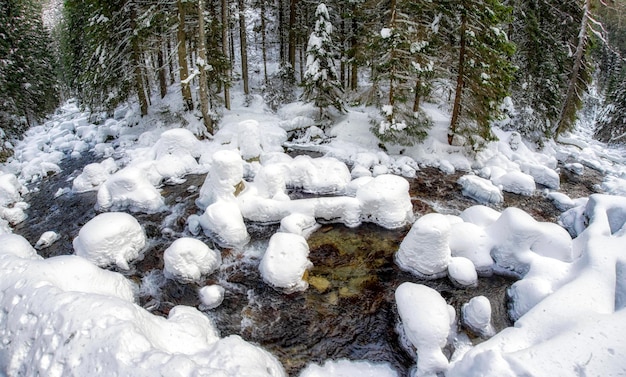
x=534 y=60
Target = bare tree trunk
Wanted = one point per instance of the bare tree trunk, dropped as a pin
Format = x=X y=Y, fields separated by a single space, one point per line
x=244 y=48
x=170 y=64
x=161 y=71
x=225 y=24
x=202 y=66
x=281 y=31
x=136 y=60
x=392 y=73
x=354 y=81
x=416 y=101
x=569 y=107
x=183 y=70
x=264 y=41
x=460 y=83
x=292 y=33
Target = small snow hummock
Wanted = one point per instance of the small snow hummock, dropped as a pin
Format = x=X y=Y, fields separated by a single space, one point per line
x=188 y=259
x=130 y=188
x=426 y=322
x=285 y=261
x=94 y=175
x=299 y=224
x=47 y=239
x=211 y=296
x=223 y=220
x=476 y=315
x=462 y=272
x=113 y=238
x=480 y=189
x=385 y=200
x=516 y=182
x=425 y=250
x=471 y=241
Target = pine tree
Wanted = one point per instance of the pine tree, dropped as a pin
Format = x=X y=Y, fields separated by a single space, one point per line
x=611 y=127
x=484 y=70
x=321 y=82
x=28 y=86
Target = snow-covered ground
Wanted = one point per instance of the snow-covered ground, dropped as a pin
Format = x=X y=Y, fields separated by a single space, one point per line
x=70 y=316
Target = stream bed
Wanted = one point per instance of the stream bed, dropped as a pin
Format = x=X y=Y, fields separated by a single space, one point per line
x=348 y=311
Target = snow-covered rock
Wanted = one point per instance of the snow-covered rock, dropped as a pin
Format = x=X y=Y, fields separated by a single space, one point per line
x=224 y=220
x=113 y=238
x=480 y=189
x=426 y=322
x=225 y=173
x=285 y=262
x=47 y=239
x=462 y=272
x=542 y=175
x=130 y=188
x=471 y=241
x=476 y=315
x=347 y=368
x=385 y=201
x=211 y=296
x=516 y=182
x=188 y=259
x=94 y=175
x=425 y=250
x=300 y=224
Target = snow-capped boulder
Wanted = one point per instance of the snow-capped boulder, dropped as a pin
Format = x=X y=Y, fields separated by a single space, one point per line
x=471 y=241
x=225 y=174
x=224 y=221
x=462 y=272
x=542 y=175
x=385 y=201
x=94 y=175
x=285 y=262
x=47 y=239
x=113 y=238
x=476 y=316
x=426 y=321
x=130 y=188
x=211 y=296
x=425 y=250
x=188 y=259
x=480 y=189
x=516 y=182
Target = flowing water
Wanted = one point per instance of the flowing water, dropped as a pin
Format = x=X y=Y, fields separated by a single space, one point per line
x=348 y=310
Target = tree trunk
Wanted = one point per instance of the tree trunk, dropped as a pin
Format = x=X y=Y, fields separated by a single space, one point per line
x=292 y=33
x=136 y=60
x=183 y=70
x=170 y=64
x=354 y=78
x=263 y=41
x=569 y=104
x=281 y=31
x=416 y=101
x=161 y=71
x=460 y=82
x=393 y=53
x=243 y=36
x=202 y=66
x=227 y=72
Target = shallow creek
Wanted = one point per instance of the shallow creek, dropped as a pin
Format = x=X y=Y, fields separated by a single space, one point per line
x=348 y=310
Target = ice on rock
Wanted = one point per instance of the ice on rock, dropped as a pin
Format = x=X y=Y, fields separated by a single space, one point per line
x=425 y=318
x=130 y=188
x=211 y=296
x=425 y=250
x=285 y=261
x=385 y=201
x=348 y=368
x=94 y=175
x=471 y=241
x=47 y=239
x=462 y=272
x=476 y=315
x=113 y=238
x=516 y=182
x=188 y=259
x=480 y=189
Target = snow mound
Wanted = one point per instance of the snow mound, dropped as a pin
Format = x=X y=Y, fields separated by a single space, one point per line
x=385 y=201
x=348 y=368
x=471 y=241
x=76 y=309
x=462 y=272
x=188 y=259
x=211 y=296
x=285 y=261
x=480 y=189
x=12 y=206
x=223 y=220
x=130 y=188
x=516 y=182
x=47 y=239
x=425 y=318
x=476 y=315
x=94 y=175
x=113 y=238
x=425 y=250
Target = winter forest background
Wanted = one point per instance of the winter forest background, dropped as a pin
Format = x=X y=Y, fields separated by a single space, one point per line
x=534 y=60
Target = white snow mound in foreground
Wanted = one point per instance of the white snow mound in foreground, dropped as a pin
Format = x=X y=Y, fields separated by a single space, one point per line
x=425 y=250
x=65 y=317
x=348 y=368
x=113 y=238
x=285 y=262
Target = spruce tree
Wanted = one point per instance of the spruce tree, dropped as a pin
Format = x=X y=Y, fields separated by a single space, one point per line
x=484 y=70
x=321 y=82
x=403 y=67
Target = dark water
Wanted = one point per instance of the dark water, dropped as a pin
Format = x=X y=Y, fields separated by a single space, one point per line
x=348 y=310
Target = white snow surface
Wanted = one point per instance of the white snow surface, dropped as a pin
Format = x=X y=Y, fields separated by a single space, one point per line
x=285 y=262
x=348 y=368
